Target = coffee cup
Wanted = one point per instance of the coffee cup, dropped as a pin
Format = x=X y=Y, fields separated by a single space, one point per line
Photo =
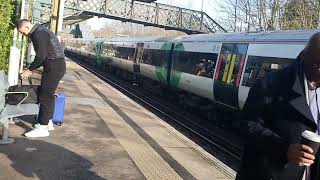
x=311 y=139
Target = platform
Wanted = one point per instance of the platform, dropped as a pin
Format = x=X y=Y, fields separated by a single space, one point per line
x=105 y=136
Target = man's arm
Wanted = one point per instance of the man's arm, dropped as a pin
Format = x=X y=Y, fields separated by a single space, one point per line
x=43 y=40
x=256 y=116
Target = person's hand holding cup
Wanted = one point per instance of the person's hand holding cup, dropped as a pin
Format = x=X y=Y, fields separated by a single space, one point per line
x=303 y=154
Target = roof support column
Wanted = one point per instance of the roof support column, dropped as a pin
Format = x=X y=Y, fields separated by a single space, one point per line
x=56 y=21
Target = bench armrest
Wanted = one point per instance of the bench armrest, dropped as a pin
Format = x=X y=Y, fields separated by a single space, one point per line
x=25 y=93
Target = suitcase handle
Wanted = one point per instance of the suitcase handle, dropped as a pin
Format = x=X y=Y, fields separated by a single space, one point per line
x=21 y=80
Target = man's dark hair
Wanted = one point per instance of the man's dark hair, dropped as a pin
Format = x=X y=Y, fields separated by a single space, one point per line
x=21 y=22
x=314 y=42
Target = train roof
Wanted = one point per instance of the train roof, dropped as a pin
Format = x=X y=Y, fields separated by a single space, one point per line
x=139 y=39
x=296 y=36
x=263 y=36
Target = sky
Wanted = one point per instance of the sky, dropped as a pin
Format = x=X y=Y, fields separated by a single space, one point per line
x=211 y=7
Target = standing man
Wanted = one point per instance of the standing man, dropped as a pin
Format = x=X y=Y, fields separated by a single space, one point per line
x=279 y=108
x=50 y=55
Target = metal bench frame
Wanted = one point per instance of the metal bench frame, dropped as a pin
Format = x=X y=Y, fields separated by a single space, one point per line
x=10 y=111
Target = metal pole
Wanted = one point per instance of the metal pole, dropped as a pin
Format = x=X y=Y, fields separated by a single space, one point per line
x=23 y=49
x=156 y=21
x=54 y=16
x=132 y=10
x=31 y=54
x=202 y=6
x=15 y=32
x=5 y=133
x=60 y=19
x=318 y=14
x=235 y=16
x=13 y=72
x=15 y=35
x=21 y=38
x=14 y=57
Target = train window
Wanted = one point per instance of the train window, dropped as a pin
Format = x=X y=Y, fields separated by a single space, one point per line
x=257 y=67
x=231 y=62
x=78 y=44
x=124 y=53
x=138 y=53
x=200 y=64
x=107 y=50
x=87 y=46
x=155 y=57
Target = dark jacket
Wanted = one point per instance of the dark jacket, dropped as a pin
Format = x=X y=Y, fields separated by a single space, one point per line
x=275 y=114
x=46 y=46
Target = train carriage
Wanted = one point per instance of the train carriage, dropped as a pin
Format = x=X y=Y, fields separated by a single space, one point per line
x=218 y=67
x=193 y=66
x=121 y=54
x=156 y=60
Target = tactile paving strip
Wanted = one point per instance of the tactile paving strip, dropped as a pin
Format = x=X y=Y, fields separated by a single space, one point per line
x=149 y=162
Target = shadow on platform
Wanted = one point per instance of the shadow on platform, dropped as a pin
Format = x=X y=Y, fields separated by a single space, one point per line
x=39 y=159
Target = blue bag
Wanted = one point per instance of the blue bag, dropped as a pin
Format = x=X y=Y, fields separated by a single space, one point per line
x=58 y=114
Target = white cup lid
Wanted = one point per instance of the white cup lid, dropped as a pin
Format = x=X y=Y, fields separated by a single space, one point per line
x=311 y=136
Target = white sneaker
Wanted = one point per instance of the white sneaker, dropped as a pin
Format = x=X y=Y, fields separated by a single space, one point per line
x=50 y=125
x=38 y=131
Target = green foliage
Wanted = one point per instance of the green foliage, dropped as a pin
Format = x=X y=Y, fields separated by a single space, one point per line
x=6 y=30
x=300 y=15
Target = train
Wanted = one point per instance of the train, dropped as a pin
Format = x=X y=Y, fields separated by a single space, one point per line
x=218 y=67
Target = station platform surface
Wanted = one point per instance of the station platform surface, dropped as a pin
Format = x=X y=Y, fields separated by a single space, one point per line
x=105 y=136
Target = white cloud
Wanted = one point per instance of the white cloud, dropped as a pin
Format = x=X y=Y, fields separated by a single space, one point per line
x=97 y=23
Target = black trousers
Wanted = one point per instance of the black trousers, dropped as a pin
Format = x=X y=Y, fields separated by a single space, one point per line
x=53 y=71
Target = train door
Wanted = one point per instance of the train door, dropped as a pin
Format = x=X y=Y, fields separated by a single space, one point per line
x=168 y=62
x=138 y=58
x=228 y=73
x=98 y=47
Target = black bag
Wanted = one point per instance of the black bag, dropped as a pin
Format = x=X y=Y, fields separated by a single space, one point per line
x=14 y=99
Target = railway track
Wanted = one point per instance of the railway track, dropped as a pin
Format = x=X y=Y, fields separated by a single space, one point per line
x=210 y=140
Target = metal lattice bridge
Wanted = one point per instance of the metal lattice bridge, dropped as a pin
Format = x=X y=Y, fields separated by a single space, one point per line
x=148 y=14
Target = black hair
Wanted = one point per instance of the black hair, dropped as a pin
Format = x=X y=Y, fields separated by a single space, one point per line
x=314 y=42
x=21 y=22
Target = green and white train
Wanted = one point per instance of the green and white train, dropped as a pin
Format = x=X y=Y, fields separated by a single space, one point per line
x=219 y=67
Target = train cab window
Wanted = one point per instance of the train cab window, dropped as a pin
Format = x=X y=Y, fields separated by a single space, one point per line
x=200 y=64
x=231 y=61
x=257 y=67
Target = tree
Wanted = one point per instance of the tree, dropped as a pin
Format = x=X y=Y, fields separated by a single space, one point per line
x=252 y=15
x=301 y=14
